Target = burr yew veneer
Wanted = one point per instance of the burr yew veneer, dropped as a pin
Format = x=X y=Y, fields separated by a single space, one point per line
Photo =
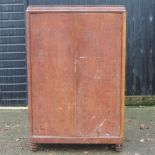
x=76 y=74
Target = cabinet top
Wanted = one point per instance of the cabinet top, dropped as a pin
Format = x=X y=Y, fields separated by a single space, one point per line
x=79 y=8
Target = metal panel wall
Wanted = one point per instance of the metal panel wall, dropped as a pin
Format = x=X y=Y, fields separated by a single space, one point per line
x=140 y=46
x=12 y=53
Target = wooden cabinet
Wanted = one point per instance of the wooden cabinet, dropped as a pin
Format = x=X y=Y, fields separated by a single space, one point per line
x=76 y=74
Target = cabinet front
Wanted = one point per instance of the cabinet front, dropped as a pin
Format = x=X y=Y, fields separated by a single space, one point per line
x=75 y=63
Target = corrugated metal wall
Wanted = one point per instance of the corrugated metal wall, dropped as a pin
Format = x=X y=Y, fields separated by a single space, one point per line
x=140 y=46
x=12 y=52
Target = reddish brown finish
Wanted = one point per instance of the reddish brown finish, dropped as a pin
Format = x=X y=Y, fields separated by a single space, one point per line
x=53 y=76
x=98 y=74
x=76 y=69
x=77 y=140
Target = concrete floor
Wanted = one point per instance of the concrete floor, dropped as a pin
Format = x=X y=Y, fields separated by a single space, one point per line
x=14 y=136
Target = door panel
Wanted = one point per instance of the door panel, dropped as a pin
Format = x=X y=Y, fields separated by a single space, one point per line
x=53 y=76
x=98 y=74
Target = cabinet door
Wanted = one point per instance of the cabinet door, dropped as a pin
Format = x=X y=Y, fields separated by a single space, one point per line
x=98 y=74
x=52 y=74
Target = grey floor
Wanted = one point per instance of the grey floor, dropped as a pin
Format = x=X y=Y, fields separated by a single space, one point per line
x=14 y=136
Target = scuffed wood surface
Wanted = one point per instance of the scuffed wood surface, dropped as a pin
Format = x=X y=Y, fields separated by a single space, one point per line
x=76 y=75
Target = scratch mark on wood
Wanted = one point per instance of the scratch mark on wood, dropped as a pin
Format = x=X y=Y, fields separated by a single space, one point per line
x=100 y=125
x=82 y=57
x=92 y=118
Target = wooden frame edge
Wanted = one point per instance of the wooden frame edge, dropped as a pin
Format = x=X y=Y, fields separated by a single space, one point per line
x=123 y=73
x=77 y=140
x=28 y=59
x=76 y=8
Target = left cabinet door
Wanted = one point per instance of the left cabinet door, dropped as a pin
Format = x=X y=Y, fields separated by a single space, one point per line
x=52 y=74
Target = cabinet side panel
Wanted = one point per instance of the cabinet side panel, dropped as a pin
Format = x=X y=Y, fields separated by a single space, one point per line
x=123 y=72
x=28 y=69
x=99 y=74
x=53 y=77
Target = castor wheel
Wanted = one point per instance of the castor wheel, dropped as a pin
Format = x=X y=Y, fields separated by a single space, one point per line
x=34 y=147
x=118 y=147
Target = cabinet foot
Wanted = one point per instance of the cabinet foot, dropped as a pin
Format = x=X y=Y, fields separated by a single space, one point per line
x=118 y=147
x=34 y=147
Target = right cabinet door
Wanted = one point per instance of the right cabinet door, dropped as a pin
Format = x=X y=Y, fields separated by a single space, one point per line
x=98 y=46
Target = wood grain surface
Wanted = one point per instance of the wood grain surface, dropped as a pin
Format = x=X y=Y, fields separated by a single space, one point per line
x=76 y=74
